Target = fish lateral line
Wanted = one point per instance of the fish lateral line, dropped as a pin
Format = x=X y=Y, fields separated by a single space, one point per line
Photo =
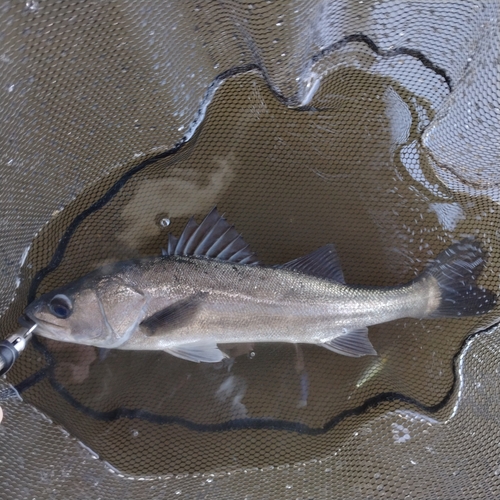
x=153 y=303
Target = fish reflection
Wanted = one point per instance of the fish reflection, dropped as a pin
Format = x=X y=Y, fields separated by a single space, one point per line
x=233 y=389
x=373 y=369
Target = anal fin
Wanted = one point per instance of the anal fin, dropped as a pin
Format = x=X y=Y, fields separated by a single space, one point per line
x=199 y=352
x=354 y=343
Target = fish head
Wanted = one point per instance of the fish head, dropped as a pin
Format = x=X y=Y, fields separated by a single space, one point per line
x=98 y=310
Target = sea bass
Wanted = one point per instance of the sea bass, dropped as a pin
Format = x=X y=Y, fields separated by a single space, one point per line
x=208 y=289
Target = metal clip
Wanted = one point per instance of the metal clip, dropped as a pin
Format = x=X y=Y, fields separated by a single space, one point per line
x=11 y=347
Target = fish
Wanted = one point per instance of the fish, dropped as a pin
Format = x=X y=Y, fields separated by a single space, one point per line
x=208 y=290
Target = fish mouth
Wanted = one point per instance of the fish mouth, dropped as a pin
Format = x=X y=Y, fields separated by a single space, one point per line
x=48 y=329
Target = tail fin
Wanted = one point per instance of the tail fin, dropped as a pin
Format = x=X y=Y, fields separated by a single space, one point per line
x=456 y=270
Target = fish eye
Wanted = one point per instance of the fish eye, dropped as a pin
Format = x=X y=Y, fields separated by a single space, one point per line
x=60 y=306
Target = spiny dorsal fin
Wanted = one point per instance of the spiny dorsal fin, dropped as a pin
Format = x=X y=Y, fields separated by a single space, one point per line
x=322 y=263
x=213 y=238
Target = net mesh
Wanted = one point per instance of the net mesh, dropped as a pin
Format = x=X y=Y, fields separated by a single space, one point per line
x=370 y=125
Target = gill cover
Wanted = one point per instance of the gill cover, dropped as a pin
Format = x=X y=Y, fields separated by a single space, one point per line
x=122 y=307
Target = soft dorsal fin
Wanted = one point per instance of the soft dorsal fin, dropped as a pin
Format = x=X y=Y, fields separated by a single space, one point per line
x=322 y=263
x=213 y=238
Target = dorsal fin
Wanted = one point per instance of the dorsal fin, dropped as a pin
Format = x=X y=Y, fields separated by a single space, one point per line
x=322 y=263
x=213 y=238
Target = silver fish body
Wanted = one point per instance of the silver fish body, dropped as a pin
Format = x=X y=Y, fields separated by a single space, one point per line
x=190 y=304
x=237 y=303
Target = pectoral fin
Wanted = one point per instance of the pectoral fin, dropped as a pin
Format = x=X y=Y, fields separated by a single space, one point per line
x=354 y=343
x=205 y=352
x=173 y=316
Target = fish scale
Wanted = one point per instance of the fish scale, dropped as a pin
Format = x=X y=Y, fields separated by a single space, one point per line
x=208 y=290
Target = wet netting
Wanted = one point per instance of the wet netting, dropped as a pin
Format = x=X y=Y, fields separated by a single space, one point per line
x=373 y=125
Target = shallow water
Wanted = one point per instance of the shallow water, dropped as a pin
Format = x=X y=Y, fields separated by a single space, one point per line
x=348 y=170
